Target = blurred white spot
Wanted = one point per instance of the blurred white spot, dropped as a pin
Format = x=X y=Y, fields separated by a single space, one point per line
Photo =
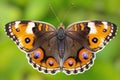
x=92 y=27
x=16 y=24
x=30 y=27
x=105 y=25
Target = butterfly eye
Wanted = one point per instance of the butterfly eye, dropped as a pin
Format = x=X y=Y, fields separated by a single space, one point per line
x=52 y=63
x=70 y=63
x=85 y=56
x=37 y=55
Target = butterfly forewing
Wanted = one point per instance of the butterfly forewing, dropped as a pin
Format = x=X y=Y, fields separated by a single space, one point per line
x=25 y=33
x=93 y=35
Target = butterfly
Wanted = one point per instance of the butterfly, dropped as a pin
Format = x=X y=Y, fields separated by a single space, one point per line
x=71 y=50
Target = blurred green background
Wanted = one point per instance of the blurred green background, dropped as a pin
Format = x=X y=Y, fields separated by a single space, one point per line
x=13 y=62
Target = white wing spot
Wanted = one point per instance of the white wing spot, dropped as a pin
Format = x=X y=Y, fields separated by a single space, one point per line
x=17 y=23
x=105 y=25
x=92 y=27
x=30 y=27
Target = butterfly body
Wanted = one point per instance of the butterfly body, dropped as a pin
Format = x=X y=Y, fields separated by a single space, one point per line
x=71 y=50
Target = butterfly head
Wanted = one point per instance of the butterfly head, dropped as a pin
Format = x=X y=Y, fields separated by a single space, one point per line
x=61 y=26
x=61 y=32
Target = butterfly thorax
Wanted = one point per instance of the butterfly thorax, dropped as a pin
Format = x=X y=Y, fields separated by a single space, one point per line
x=61 y=33
x=61 y=42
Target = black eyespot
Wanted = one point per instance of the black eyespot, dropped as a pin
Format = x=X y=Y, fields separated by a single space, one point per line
x=18 y=30
x=70 y=63
x=51 y=63
x=95 y=40
x=104 y=30
x=36 y=55
x=85 y=55
x=27 y=40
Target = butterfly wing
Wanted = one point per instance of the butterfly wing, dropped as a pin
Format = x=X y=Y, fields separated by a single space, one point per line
x=93 y=35
x=83 y=39
x=38 y=40
x=77 y=58
x=25 y=33
x=45 y=58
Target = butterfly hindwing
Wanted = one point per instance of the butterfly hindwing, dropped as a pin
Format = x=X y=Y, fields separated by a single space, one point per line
x=46 y=57
x=76 y=59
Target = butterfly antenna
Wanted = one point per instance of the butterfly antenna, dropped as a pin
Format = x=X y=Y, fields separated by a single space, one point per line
x=53 y=10
x=68 y=11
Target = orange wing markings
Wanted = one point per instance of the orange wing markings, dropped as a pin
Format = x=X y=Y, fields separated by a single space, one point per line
x=75 y=27
x=40 y=27
x=37 y=57
x=96 y=40
x=20 y=33
x=46 y=27
x=82 y=26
